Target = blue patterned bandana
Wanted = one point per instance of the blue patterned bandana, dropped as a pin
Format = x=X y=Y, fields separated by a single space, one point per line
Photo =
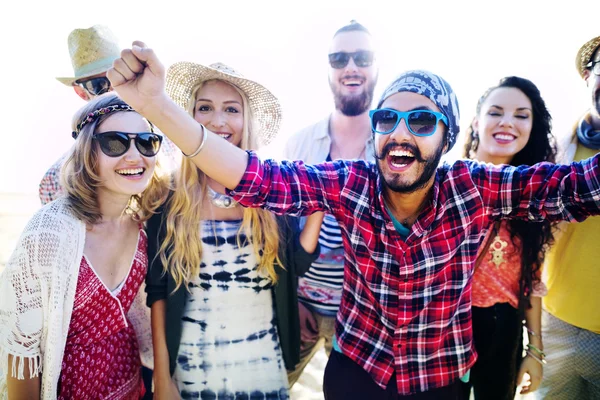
x=433 y=87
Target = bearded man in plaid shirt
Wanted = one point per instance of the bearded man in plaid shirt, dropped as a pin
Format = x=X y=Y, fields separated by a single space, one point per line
x=411 y=227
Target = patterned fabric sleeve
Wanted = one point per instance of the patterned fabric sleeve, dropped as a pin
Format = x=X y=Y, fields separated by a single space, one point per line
x=543 y=191
x=294 y=188
x=21 y=315
x=50 y=189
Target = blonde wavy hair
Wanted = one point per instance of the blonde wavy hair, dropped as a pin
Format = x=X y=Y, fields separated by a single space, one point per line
x=181 y=249
x=79 y=173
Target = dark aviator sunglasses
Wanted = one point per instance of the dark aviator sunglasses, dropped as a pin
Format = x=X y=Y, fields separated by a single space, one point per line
x=96 y=86
x=362 y=59
x=115 y=144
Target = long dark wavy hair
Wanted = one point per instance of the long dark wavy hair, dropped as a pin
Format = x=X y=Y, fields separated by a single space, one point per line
x=535 y=237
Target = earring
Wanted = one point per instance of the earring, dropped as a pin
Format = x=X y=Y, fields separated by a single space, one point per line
x=474 y=144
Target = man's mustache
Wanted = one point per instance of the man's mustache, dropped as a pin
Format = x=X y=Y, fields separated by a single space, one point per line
x=404 y=146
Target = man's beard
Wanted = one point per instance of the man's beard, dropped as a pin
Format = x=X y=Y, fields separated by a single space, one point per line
x=431 y=165
x=353 y=105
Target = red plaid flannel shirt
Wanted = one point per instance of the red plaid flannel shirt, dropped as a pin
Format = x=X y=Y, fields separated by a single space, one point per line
x=406 y=304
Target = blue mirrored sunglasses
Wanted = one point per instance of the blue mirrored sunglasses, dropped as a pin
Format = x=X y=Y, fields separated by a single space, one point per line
x=419 y=122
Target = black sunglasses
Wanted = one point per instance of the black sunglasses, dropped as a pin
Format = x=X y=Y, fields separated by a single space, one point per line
x=115 y=144
x=96 y=86
x=362 y=59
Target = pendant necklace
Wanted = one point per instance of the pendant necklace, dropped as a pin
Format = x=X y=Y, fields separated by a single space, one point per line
x=221 y=200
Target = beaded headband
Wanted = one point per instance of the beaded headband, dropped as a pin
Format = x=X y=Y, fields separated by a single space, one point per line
x=94 y=115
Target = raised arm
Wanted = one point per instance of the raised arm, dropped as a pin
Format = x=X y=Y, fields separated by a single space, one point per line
x=543 y=191
x=293 y=188
x=139 y=79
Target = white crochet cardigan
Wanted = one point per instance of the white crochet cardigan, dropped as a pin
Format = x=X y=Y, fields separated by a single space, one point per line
x=37 y=291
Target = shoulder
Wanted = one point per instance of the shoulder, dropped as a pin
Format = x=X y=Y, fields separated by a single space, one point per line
x=55 y=217
x=309 y=133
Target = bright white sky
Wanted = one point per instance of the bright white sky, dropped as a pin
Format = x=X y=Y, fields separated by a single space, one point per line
x=283 y=45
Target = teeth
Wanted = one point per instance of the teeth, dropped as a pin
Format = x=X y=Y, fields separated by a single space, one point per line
x=130 y=171
x=224 y=135
x=401 y=153
x=503 y=136
x=352 y=83
x=399 y=165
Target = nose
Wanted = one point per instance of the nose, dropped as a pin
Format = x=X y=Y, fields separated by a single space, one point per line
x=351 y=66
x=506 y=120
x=218 y=119
x=401 y=133
x=132 y=155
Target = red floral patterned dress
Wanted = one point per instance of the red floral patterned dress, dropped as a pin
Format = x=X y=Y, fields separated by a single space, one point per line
x=102 y=359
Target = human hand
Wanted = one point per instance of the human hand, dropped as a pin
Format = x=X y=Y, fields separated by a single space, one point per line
x=138 y=77
x=309 y=331
x=535 y=372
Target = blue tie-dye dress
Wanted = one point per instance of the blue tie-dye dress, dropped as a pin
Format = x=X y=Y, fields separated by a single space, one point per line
x=229 y=343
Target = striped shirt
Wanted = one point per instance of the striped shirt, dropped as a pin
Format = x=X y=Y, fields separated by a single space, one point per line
x=321 y=287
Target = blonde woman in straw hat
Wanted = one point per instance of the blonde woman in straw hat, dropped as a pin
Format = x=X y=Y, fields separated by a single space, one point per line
x=73 y=323
x=222 y=287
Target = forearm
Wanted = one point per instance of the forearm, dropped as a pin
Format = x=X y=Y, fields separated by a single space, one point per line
x=159 y=342
x=533 y=322
x=26 y=389
x=309 y=237
x=218 y=159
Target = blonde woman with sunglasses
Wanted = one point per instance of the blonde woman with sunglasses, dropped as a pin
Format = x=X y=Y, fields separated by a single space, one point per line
x=72 y=318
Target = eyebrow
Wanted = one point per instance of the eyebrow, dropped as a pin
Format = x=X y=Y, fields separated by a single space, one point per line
x=225 y=102
x=518 y=109
x=421 y=108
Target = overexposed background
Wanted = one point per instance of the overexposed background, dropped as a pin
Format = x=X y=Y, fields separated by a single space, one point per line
x=283 y=45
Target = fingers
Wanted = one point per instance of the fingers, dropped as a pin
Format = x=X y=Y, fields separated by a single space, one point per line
x=115 y=78
x=124 y=70
x=131 y=61
x=147 y=56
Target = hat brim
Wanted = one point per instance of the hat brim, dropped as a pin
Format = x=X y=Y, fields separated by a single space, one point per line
x=585 y=53
x=183 y=76
x=72 y=81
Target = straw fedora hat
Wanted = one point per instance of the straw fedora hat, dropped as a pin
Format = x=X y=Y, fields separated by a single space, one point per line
x=585 y=53
x=92 y=52
x=183 y=76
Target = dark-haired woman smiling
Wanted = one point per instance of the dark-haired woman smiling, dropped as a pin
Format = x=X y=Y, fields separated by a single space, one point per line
x=512 y=126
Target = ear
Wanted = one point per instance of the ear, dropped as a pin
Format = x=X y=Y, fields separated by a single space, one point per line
x=82 y=93
x=475 y=124
x=586 y=76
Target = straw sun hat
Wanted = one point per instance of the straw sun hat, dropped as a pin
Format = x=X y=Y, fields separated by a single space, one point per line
x=92 y=52
x=585 y=53
x=183 y=76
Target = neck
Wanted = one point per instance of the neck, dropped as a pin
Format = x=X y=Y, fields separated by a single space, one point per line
x=214 y=185
x=595 y=120
x=406 y=207
x=496 y=160
x=112 y=207
x=342 y=126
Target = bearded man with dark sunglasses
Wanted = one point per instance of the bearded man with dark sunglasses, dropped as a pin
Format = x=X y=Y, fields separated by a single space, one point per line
x=344 y=134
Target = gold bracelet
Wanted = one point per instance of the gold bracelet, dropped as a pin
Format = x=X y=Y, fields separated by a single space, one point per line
x=199 y=149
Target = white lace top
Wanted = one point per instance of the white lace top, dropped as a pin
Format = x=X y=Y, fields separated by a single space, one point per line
x=37 y=291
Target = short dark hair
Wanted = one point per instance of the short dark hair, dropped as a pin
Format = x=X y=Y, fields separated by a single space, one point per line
x=353 y=26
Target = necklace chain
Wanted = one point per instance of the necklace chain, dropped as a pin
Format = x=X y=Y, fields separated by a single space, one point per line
x=221 y=200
